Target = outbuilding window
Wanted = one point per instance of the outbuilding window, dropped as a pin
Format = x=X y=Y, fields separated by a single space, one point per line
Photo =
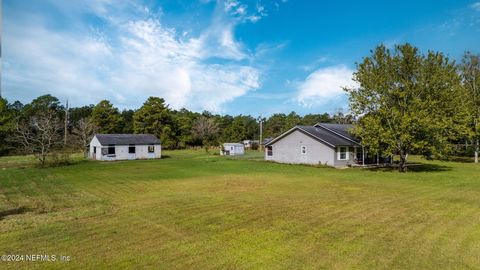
x=342 y=153
x=111 y=149
x=303 y=150
x=131 y=149
x=94 y=149
x=269 y=150
x=151 y=149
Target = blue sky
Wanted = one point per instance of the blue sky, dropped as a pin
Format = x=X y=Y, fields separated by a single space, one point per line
x=236 y=57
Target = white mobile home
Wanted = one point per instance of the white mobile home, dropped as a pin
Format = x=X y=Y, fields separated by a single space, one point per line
x=124 y=147
x=232 y=149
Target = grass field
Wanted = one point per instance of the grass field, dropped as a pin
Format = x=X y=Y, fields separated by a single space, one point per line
x=196 y=211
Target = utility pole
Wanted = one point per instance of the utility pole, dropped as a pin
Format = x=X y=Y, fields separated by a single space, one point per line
x=261 y=133
x=66 y=125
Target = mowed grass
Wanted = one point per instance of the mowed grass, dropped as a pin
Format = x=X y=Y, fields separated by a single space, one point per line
x=191 y=210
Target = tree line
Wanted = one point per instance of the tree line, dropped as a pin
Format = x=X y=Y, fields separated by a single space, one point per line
x=39 y=127
x=407 y=102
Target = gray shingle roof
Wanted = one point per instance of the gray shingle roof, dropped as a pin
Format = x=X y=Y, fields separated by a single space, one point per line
x=342 y=129
x=125 y=139
x=330 y=134
x=266 y=141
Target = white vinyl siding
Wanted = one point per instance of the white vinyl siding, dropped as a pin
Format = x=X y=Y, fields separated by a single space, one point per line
x=288 y=150
x=123 y=152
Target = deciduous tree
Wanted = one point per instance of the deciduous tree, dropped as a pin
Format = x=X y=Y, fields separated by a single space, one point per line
x=206 y=129
x=470 y=70
x=39 y=134
x=276 y=125
x=408 y=102
x=42 y=104
x=312 y=119
x=84 y=131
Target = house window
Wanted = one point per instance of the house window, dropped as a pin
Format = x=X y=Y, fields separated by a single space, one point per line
x=94 y=149
x=111 y=149
x=269 y=150
x=303 y=150
x=342 y=153
x=151 y=149
x=131 y=149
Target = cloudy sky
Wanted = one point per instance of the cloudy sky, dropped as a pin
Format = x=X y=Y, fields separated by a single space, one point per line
x=237 y=57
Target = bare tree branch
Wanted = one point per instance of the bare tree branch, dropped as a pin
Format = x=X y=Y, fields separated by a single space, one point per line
x=39 y=135
x=84 y=132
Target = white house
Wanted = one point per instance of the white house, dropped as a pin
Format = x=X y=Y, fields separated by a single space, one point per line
x=328 y=144
x=124 y=147
x=232 y=149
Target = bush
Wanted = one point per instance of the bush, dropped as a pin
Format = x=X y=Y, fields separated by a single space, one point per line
x=56 y=159
x=254 y=146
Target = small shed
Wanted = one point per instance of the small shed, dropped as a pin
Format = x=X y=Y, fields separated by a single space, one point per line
x=232 y=149
x=124 y=147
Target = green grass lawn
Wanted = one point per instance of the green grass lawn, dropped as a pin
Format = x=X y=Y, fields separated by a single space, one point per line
x=193 y=210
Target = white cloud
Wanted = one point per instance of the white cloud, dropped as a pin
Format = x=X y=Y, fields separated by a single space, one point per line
x=316 y=63
x=324 y=85
x=174 y=69
x=139 y=57
x=242 y=12
x=476 y=6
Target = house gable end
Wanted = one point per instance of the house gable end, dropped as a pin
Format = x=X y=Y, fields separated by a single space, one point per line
x=297 y=128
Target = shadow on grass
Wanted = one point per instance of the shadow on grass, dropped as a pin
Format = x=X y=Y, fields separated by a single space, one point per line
x=461 y=159
x=13 y=211
x=166 y=156
x=418 y=167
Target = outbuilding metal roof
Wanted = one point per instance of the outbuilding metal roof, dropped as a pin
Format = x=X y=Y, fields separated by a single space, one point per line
x=126 y=139
x=233 y=144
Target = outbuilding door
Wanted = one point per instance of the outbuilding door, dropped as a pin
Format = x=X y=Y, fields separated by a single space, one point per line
x=151 y=151
x=132 y=152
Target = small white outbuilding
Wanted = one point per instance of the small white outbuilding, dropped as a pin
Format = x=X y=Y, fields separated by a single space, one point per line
x=124 y=147
x=232 y=149
x=250 y=143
